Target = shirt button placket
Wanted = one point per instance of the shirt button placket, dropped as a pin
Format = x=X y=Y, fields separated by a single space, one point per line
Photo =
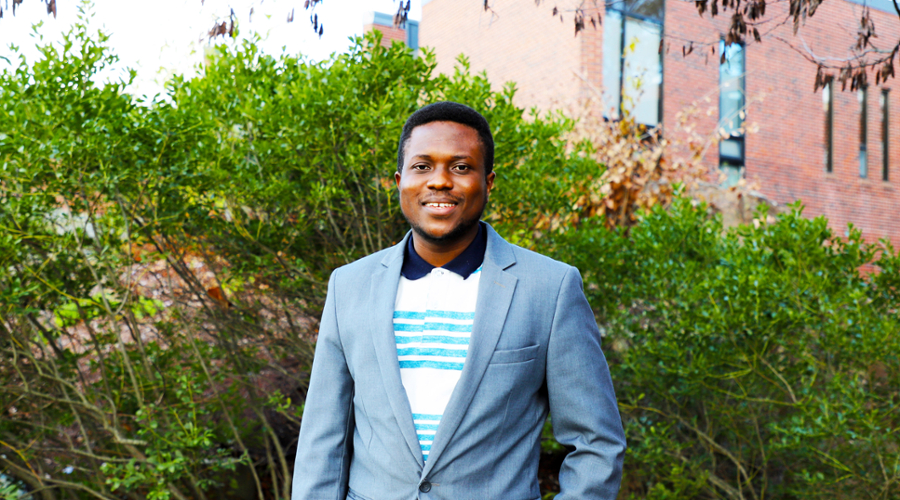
x=434 y=290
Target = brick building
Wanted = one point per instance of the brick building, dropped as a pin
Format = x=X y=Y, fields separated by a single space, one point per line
x=838 y=151
x=408 y=34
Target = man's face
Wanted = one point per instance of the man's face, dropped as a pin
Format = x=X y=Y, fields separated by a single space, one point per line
x=443 y=187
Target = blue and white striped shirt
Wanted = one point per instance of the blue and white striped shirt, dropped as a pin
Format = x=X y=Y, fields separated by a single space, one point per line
x=433 y=319
x=433 y=316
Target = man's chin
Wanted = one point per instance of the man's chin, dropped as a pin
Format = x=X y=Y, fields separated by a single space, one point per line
x=446 y=236
x=432 y=236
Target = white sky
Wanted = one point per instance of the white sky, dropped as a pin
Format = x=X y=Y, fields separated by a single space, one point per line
x=159 y=38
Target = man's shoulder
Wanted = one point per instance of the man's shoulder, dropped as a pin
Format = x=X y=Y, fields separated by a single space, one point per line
x=363 y=267
x=526 y=261
x=529 y=261
x=526 y=256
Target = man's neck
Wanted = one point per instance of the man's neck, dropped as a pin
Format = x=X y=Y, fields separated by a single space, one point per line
x=439 y=254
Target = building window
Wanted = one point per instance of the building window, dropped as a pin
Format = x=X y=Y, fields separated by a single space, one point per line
x=412 y=34
x=828 y=104
x=731 y=112
x=632 y=63
x=863 y=95
x=885 y=134
x=385 y=23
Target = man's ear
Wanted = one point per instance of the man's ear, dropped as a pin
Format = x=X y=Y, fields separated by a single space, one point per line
x=397 y=179
x=489 y=180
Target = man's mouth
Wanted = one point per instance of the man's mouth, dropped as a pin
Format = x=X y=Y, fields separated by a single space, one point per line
x=441 y=208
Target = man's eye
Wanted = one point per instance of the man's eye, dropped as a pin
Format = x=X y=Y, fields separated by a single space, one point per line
x=419 y=167
x=462 y=166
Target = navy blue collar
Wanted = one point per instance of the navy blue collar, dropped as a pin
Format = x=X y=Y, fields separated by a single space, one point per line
x=415 y=267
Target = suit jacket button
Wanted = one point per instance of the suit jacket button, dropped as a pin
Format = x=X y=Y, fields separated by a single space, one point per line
x=425 y=487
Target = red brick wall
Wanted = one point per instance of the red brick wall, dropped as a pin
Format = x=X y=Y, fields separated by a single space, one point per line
x=524 y=43
x=787 y=154
x=517 y=41
x=592 y=58
x=389 y=33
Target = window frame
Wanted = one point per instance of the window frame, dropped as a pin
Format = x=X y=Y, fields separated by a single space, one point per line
x=725 y=160
x=885 y=133
x=828 y=102
x=626 y=13
x=863 y=96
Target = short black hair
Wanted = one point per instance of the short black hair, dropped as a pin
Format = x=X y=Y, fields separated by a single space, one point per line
x=448 y=111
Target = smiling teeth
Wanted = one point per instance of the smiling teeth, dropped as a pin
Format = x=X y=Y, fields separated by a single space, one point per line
x=441 y=205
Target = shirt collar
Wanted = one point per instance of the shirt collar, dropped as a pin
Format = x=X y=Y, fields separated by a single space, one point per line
x=415 y=267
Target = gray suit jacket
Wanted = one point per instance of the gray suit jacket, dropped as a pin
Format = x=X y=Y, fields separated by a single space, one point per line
x=534 y=347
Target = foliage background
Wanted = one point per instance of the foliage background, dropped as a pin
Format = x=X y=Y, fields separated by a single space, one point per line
x=163 y=263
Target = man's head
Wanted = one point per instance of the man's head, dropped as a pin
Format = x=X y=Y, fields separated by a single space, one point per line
x=443 y=174
x=448 y=111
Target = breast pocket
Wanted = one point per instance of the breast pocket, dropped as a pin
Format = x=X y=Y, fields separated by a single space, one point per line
x=352 y=495
x=522 y=355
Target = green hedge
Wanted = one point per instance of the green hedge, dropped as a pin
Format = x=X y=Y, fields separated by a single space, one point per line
x=758 y=362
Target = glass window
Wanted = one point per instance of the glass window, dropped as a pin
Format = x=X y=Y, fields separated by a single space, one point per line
x=732 y=112
x=828 y=105
x=651 y=10
x=642 y=70
x=632 y=64
x=733 y=171
x=412 y=34
x=612 y=64
x=732 y=148
x=863 y=95
x=885 y=134
x=731 y=89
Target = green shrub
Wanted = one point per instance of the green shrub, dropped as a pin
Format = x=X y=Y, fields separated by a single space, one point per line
x=759 y=362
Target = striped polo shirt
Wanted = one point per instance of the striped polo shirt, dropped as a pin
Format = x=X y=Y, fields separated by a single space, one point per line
x=433 y=316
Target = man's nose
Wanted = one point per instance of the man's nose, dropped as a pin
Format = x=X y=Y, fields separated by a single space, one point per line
x=440 y=179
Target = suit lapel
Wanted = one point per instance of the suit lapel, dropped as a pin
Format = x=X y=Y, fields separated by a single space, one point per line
x=383 y=294
x=495 y=293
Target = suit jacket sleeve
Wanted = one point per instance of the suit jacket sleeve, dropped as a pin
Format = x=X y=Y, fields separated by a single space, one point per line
x=583 y=406
x=324 y=448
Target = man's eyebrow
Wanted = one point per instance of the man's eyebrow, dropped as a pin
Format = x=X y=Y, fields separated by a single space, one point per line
x=454 y=157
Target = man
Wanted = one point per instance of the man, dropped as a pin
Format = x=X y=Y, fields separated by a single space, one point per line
x=438 y=359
